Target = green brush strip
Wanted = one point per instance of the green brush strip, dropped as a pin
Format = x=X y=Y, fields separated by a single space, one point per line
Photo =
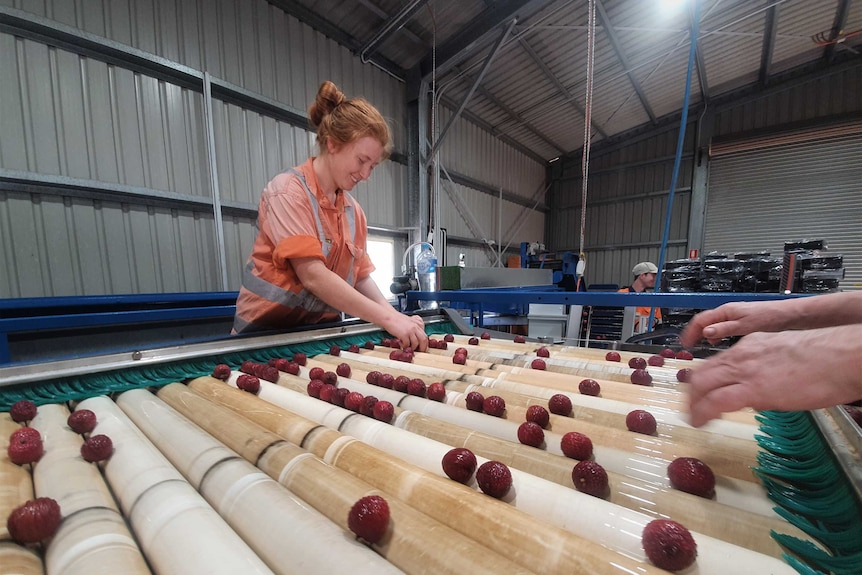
x=77 y=388
x=802 y=476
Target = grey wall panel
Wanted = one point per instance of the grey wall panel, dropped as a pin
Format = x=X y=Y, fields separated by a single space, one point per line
x=838 y=93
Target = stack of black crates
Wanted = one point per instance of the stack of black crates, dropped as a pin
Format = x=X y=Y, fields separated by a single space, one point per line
x=802 y=269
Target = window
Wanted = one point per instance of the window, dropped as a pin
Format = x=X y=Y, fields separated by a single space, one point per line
x=382 y=254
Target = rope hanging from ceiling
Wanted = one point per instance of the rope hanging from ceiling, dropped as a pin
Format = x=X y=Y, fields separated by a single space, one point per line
x=588 y=110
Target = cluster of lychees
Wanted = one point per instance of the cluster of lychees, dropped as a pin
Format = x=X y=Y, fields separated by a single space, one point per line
x=323 y=385
x=411 y=386
x=493 y=477
x=491 y=405
x=38 y=519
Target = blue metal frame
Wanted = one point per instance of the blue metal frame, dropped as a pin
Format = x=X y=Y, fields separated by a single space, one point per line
x=476 y=299
x=61 y=313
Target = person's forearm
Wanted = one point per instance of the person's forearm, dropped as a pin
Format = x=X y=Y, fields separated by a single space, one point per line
x=825 y=310
x=334 y=291
x=369 y=289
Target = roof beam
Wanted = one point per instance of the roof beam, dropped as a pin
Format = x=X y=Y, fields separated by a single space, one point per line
x=380 y=13
x=390 y=27
x=615 y=44
x=570 y=98
x=330 y=30
x=841 y=14
x=770 y=31
x=701 y=65
x=477 y=32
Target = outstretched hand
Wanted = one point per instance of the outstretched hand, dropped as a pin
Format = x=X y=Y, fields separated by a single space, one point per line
x=733 y=319
x=410 y=329
x=791 y=370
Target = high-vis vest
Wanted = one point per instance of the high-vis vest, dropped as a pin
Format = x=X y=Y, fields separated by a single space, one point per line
x=266 y=300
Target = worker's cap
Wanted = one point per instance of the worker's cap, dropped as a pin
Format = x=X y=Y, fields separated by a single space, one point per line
x=644 y=268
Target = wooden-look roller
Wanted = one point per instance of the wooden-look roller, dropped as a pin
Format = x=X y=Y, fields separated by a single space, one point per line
x=16 y=485
x=18 y=560
x=288 y=535
x=163 y=509
x=550 y=502
x=505 y=530
x=332 y=491
x=93 y=537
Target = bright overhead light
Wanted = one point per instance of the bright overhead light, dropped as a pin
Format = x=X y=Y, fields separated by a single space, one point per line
x=671 y=5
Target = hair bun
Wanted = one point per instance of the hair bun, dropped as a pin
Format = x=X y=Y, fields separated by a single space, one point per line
x=328 y=98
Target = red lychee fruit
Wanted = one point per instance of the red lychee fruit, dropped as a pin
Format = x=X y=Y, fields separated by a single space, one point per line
x=494 y=405
x=485 y=335
x=248 y=367
x=432 y=343
x=25 y=446
x=684 y=354
x=560 y=404
x=538 y=364
x=655 y=361
x=448 y=337
x=373 y=377
x=437 y=392
x=221 y=371
x=461 y=351
x=367 y=407
x=383 y=411
x=668 y=353
x=354 y=348
x=520 y=339
x=82 y=421
x=641 y=421
x=268 y=373
x=34 y=521
x=531 y=434
x=300 y=358
x=249 y=383
x=386 y=342
x=334 y=350
x=543 y=352
x=353 y=401
x=327 y=392
x=641 y=377
x=576 y=445
x=368 y=345
x=339 y=396
x=97 y=448
x=692 y=475
x=589 y=387
x=459 y=358
x=684 y=375
x=473 y=341
x=395 y=355
x=281 y=364
x=475 y=401
x=369 y=518
x=316 y=373
x=591 y=478
x=402 y=382
x=612 y=356
x=494 y=479
x=416 y=387
x=23 y=410
x=292 y=368
x=459 y=464
x=538 y=415
x=313 y=388
x=343 y=369
x=669 y=545
x=637 y=363
x=386 y=380
x=330 y=377
x=396 y=343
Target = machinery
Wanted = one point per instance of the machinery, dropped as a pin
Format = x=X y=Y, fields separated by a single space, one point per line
x=563 y=264
x=207 y=478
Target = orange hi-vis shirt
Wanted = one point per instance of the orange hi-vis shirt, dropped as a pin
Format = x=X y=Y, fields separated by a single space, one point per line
x=297 y=220
x=642 y=310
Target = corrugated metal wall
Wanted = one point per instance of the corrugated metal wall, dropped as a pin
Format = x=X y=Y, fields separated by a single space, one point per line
x=473 y=152
x=626 y=205
x=134 y=148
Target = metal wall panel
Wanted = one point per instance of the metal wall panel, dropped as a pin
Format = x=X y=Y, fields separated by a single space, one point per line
x=63 y=115
x=758 y=200
x=838 y=93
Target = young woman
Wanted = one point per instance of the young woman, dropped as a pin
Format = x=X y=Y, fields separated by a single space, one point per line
x=309 y=260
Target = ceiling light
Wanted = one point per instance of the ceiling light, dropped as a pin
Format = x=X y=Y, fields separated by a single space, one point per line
x=669 y=6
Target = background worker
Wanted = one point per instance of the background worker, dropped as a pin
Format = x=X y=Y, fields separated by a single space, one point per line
x=644 y=281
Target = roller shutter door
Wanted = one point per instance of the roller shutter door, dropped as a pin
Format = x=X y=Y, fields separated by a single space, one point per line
x=759 y=199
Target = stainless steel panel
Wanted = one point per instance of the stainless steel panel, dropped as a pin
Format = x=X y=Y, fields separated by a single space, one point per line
x=483 y=277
